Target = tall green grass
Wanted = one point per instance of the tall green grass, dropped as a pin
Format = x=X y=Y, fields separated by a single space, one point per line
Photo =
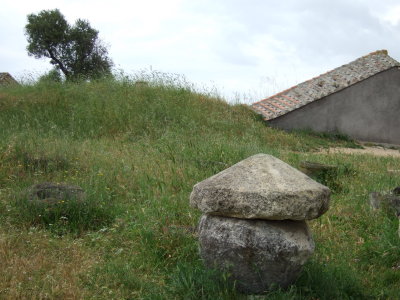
x=137 y=150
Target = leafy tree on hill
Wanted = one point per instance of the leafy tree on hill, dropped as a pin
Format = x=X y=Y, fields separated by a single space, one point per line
x=74 y=50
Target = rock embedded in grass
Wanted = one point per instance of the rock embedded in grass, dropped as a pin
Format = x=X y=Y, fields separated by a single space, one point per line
x=314 y=169
x=389 y=201
x=48 y=193
x=396 y=191
x=257 y=253
x=261 y=187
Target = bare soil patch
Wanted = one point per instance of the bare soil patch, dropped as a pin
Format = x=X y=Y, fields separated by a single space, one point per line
x=374 y=150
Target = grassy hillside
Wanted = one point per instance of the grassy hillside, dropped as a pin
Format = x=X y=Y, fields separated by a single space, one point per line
x=137 y=150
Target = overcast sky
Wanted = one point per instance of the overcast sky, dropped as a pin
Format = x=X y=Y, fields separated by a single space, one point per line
x=247 y=50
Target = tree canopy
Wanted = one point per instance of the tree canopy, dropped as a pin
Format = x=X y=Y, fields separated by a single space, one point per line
x=74 y=50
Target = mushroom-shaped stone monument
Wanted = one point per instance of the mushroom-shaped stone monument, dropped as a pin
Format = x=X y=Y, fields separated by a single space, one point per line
x=254 y=221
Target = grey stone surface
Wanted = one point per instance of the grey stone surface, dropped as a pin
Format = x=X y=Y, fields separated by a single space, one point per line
x=389 y=201
x=49 y=193
x=257 y=253
x=261 y=187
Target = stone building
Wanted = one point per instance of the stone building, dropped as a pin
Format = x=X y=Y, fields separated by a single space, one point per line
x=6 y=79
x=360 y=99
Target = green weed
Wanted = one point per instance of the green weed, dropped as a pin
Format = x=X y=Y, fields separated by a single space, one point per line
x=193 y=281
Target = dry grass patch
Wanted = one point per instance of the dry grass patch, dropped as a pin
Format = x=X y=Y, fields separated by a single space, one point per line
x=34 y=265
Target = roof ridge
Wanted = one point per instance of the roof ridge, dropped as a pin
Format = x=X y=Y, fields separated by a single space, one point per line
x=377 y=52
x=6 y=78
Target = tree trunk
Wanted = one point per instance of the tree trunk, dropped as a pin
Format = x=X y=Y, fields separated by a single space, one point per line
x=60 y=64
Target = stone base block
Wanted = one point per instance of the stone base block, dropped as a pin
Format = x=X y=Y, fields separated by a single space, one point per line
x=258 y=254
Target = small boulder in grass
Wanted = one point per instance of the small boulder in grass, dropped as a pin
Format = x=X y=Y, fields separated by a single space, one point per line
x=48 y=193
x=389 y=201
x=396 y=191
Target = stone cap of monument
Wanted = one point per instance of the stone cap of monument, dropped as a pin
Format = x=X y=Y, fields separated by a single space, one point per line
x=261 y=187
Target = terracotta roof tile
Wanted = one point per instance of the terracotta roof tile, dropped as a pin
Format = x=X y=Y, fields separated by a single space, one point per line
x=325 y=84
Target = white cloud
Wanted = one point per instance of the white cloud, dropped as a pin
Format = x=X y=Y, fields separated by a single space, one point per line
x=392 y=15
